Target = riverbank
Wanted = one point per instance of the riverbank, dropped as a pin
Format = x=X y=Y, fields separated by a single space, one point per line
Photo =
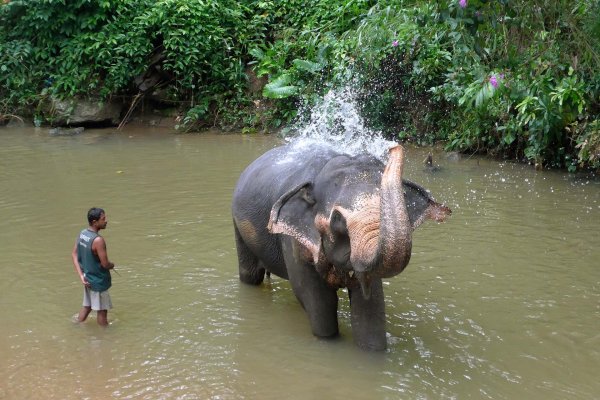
x=163 y=123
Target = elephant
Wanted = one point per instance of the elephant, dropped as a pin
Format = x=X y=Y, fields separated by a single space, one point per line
x=325 y=220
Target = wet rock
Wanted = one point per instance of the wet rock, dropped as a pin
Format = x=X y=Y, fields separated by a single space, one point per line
x=79 y=111
x=154 y=75
x=453 y=156
x=14 y=122
x=162 y=96
x=147 y=81
x=65 y=131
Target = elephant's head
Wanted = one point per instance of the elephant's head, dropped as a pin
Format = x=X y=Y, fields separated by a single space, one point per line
x=355 y=222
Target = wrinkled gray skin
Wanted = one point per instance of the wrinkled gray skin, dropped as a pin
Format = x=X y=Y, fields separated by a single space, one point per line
x=325 y=221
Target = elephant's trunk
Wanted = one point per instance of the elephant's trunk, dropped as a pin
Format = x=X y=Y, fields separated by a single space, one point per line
x=395 y=239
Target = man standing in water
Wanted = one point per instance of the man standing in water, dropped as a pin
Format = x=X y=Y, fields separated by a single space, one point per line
x=93 y=267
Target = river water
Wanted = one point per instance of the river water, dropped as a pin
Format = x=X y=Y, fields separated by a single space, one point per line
x=502 y=301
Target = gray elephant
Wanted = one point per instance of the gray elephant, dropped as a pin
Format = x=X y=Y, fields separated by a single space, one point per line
x=325 y=221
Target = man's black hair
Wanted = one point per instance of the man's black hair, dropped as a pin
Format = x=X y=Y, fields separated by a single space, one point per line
x=94 y=214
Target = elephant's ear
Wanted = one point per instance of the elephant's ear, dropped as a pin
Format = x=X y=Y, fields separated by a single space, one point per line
x=421 y=206
x=293 y=215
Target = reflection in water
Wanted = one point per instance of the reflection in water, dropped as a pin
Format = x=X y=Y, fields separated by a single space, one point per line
x=499 y=302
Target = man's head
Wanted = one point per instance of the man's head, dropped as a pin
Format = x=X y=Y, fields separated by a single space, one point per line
x=97 y=218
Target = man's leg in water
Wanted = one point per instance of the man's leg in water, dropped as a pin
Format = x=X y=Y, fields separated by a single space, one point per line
x=83 y=313
x=102 y=316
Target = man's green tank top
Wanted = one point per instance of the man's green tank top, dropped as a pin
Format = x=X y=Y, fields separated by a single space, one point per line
x=98 y=277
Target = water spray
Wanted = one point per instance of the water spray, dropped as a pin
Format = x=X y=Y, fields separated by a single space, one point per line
x=336 y=121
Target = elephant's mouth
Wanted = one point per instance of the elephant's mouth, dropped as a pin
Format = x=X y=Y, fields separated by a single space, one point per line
x=338 y=278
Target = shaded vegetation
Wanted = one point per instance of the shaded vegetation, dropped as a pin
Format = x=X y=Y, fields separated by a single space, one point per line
x=518 y=78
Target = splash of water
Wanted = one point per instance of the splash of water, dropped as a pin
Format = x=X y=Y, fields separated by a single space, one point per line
x=336 y=121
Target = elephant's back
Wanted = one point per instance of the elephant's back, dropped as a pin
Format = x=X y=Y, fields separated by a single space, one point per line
x=260 y=185
x=280 y=169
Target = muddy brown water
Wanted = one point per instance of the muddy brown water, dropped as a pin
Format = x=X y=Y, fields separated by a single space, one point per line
x=500 y=302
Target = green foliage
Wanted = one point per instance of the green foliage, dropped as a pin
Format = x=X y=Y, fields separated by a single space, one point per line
x=47 y=48
x=199 y=41
x=588 y=144
x=540 y=58
x=513 y=78
x=280 y=88
x=97 y=48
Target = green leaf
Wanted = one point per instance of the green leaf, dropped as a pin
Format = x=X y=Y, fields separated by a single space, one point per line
x=307 y=66
x=280 y=88
x=479 y=99
x=509 y=138
x=257 y=53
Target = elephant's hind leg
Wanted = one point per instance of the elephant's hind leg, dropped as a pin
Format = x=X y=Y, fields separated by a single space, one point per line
x=250 y=268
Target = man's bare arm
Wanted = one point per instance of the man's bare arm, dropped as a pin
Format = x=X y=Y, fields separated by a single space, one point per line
x=77 y=267
x=99 y=247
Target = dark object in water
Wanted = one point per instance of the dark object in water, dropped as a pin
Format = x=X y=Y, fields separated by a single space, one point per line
x=66 y=131
x=429 y=166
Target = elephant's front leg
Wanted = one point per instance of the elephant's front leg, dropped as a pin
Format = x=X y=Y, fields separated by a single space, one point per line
x=318 y=300
x=368 y=317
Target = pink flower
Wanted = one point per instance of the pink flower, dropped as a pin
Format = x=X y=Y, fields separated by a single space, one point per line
x=462 y=3
x=494 y=81
x=395 y=43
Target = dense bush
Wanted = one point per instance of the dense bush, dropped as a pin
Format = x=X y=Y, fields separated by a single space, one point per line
x=519 y=78
x=513 y=78
x=47 y=47
x=97 y=48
